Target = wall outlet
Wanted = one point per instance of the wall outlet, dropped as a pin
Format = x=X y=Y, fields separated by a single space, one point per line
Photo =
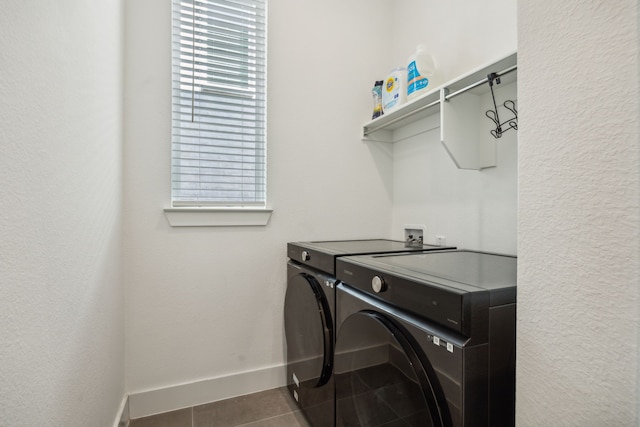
x=441 y=240
x=414 y=235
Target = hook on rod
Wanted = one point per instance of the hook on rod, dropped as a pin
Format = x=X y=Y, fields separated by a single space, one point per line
x=512 y=123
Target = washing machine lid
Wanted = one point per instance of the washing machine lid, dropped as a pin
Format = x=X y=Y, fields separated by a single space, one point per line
x=322 y=254
x=468 y=268
x=355 y=247
x=460 y=269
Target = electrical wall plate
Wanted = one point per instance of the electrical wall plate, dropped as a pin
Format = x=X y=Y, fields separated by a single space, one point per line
x=414 y=234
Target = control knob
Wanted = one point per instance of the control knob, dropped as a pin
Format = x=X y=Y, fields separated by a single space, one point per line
x=305 y=256
x=378 y=285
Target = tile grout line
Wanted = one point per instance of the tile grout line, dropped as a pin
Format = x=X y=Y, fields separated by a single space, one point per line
x=288 y=412
x=263 y=419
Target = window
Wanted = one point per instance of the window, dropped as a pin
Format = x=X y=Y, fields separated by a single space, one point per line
x=219 y=103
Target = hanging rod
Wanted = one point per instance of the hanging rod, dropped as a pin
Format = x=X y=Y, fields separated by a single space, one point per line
x=479 y=83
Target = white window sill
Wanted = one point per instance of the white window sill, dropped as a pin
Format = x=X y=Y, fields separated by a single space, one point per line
x=217 y=217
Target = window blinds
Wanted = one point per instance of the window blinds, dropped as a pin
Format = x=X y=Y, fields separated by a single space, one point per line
x=218 y=103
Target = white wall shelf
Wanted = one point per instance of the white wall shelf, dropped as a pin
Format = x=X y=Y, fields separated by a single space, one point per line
x=381 y=128
x=462 y=120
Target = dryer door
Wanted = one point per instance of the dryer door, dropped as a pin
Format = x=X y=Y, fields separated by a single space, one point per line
x=308 y=330
x=382 y=377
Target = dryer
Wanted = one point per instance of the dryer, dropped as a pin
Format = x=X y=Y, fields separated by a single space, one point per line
x=426 y=339
x=309 y=318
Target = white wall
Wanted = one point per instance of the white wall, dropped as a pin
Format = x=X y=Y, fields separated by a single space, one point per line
x=578 y=243
x=461 y=34
x=208 y=302
x=472 y=209
x=61 y=307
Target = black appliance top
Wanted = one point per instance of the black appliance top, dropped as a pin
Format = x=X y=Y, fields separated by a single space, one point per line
x=322 y=254
x=446 y=286
x=468 y=269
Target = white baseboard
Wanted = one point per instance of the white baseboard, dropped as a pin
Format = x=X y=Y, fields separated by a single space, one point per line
x=166 y=399
x=122 y=419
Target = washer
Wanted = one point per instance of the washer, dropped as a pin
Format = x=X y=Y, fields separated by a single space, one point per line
x=426 y=339
x=309 y=318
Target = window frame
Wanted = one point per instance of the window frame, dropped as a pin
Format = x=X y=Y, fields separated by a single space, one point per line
x=240 y=117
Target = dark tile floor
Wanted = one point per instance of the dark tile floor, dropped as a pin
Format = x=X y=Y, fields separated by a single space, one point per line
x=271 y=408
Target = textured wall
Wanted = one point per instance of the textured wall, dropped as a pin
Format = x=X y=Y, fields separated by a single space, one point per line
x=61 y=308
x=578 y=242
